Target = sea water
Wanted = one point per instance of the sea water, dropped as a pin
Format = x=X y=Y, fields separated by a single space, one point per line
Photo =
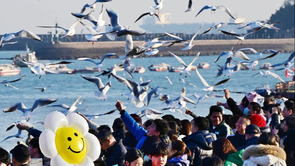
x=67 y=88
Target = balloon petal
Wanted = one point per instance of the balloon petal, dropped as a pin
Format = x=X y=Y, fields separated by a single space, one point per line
x=78 y=122
x=58 y=161
x=47 y=143
x=55 y=120
x=93 y=146
x=86 y=162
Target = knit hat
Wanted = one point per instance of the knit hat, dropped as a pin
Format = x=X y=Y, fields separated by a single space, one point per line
x=257 y=120
x=252 y=97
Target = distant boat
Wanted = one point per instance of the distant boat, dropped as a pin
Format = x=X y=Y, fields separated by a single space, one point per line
x=159 y=67
x=9 y=70
x=29 y=56
x=60 y=69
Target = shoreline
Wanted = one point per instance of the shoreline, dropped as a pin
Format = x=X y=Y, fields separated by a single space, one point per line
x=74 y=50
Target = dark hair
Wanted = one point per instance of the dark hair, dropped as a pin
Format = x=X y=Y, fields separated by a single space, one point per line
x=201 y=122
x=118 y=124
x=150 y=140
x=159 y=148
x=255 y=107
x=222 y=147
x=215 y=108
x=20 y=153
x=34 y=142
x=161 y=126
x=180 y=148
x=104 y=127
x=212 y=161
x=104 y=135
x=185 y=127
x=290 y=105
x=133 y=154
x=4 y=156
x=290 y=121
x=147 y=123
x=168 y=117
x=268 y=139
x=245 y=102
x=174 y=126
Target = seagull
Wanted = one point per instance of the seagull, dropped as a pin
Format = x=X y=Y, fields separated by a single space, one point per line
x=102 y=89
x=269 y=73
x=240 y=37
x=239 y=54
x=228 y=69
x=95 y=116
x=98 y=64
x=40 y=68
x=69 y=32
x=27 y=111
x=17 y=135
x=158 y=5
x=214 y=8
x=154 y=91
x=7 y=82
x=188 y=67
x=149 y=113
x=189 y=45
x=91 y=6
x=3 y=44
x=68 y=109
x=148 y=13
x=289 y=60
x=189 y=7
x=43 y=89
x=22 y=33
x=209 y=87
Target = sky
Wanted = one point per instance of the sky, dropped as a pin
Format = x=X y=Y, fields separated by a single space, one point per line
x=28 y=14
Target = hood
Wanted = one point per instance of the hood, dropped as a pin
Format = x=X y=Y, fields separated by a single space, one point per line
x=266 y=151
x=183 y=160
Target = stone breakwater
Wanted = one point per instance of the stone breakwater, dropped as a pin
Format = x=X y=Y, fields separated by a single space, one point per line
x=74 y=50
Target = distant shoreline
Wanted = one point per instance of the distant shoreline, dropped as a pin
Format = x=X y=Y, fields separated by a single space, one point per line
x=74 y=50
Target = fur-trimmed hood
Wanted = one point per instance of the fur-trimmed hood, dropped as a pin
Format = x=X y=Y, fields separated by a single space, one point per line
x=264 y=155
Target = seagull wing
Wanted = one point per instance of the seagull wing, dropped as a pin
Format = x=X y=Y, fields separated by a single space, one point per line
x=178 y=58
x=193 y=38
x=173 y=36
x=229 y=33
x=17 y=79
x=123 y=81
x=221 y=82
x=242 y=55
x=96 y=80
x=113 y=17
x=226 y=10
x=270 y=56
x=196 y=57
x=275 y=76
x=252 y=50
x=73 y=106
x=202 y=79
x=105 y=56
x=17 y=106
x=204 y=8
x=144 y=14
x=28 y=34
x=170 y=82
x=87 y=59
x=42 y=102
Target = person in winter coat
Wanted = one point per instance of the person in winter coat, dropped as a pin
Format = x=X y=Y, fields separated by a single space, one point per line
x=239 y=138
x=178 y=154
x=223 y=148
x=264 y=155
x=289 y=141
x=200 y=141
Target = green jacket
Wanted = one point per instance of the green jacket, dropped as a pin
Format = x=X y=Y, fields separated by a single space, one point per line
x=234 y=159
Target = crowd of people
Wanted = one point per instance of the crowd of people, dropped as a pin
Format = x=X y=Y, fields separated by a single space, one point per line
x=254 y=134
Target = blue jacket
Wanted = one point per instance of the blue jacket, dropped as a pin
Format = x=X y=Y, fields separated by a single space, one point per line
x=137 y=131
x=179 y=161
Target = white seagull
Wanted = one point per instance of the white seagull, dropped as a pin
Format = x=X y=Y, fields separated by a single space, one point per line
x=269 y=73
x=209 y=87
x=7 y=43
x=189 y=7
x=149 y=113
x=214 y=8
x=98 y=64
x=189 y=45
x=7 y=82
x=102 y=89
x=148 y=13
x=27 y=111
x=187 y=67
x=68 y=109
x=22 y=33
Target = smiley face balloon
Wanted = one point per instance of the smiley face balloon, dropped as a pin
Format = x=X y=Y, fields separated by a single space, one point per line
x=66 y=140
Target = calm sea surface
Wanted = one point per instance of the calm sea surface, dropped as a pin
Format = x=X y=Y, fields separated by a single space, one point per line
x=66 y=88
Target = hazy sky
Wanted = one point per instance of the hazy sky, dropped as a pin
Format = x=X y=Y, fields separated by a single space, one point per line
x=27 y=14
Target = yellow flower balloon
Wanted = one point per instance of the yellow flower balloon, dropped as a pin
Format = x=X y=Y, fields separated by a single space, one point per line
x=67 y=142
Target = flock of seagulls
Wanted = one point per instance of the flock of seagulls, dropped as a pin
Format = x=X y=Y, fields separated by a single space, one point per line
x=141 y=93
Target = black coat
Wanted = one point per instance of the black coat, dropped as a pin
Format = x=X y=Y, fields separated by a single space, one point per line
x=115 y=154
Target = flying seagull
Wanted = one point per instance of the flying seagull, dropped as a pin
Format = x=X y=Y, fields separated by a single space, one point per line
x=98 y=64
x=7 y=82
x=27 y=111
x=214 y=8
x=68 y=109
x=102 y=89
x=189 y=45
x=22 y=33
x=189 y=7
x=209 y=87
x=148 y=13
